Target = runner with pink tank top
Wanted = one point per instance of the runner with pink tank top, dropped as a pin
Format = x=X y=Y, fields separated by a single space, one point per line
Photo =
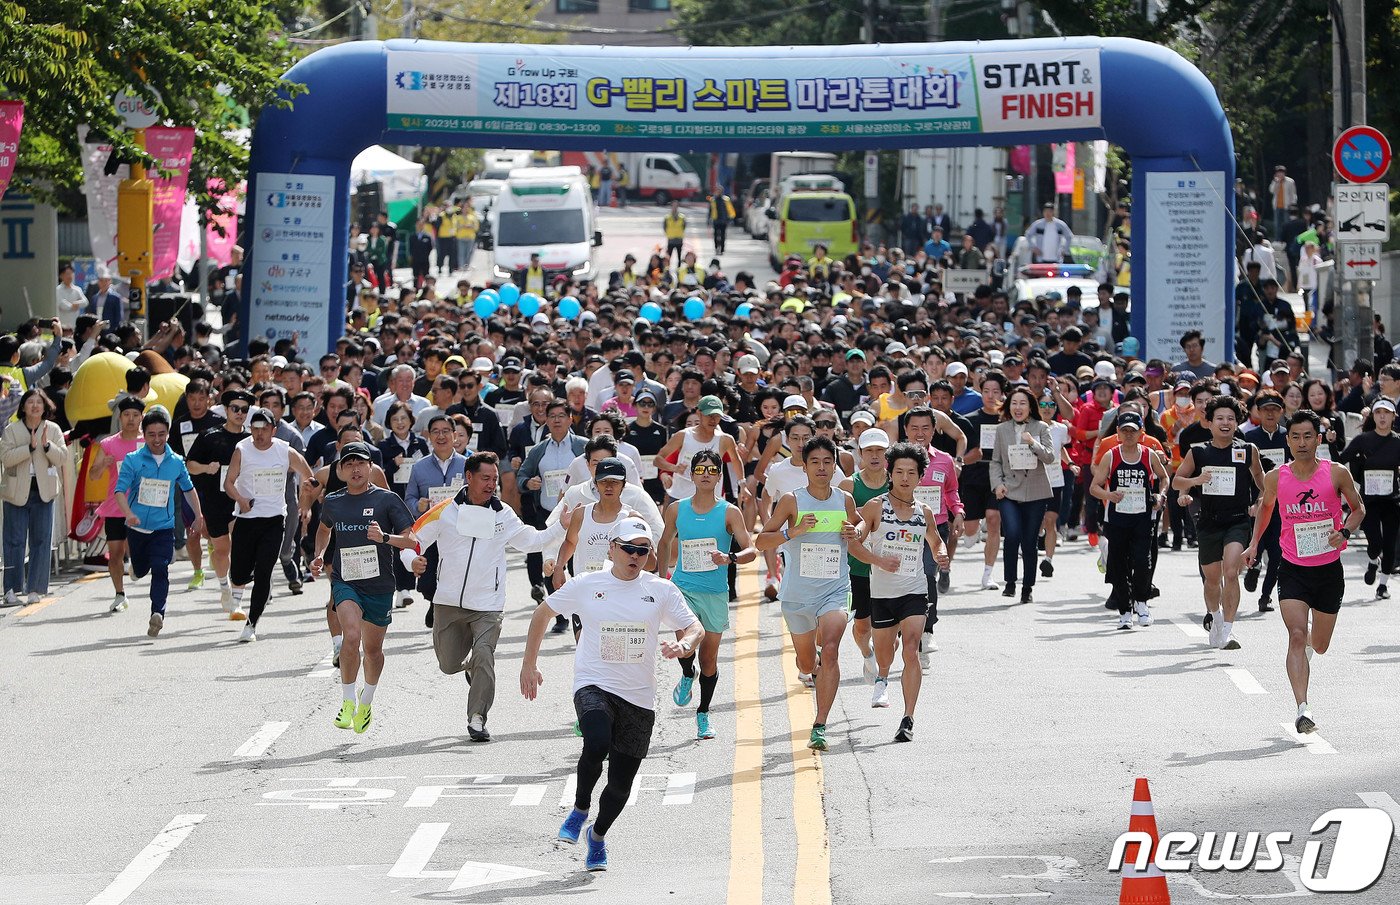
x=1308 y=494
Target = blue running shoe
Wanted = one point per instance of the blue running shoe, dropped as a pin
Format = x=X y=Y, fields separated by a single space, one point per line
x=573 y=825
x=681 y=694
x=597 y=852
x=702 y=726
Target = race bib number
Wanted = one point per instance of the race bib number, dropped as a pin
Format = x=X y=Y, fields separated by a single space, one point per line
x=819 y=561
x=359 y=563
x=696 y=554
x=474 y=441
x=1378 y=482
x=1222 y=480
x=405 y=471
x=988 y=436
x=1020 y=456
x=622 y=642
x=153 y=492
x=268 y=482
x=475 y=521
x=910 y=553
x=553 y=482
x=186 y=427
x=1310 y=538
x=1134 y=501
x=930 y=495
x=595 y=565
x=648 y=470
x=438 y=494
x=1055 y=473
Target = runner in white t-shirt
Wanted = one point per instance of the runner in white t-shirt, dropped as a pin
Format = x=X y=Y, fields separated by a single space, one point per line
x=624 y=611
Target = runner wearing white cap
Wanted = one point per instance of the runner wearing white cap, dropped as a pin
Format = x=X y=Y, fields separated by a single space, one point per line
x=864 y=486
x=624 y=611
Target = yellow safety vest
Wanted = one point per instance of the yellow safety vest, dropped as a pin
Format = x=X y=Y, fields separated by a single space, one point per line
x=819 y=267
x=714 y=207
x=693 y=272
x=467 y=226
x=534 y=280
x=628 y=278
x=675 y=226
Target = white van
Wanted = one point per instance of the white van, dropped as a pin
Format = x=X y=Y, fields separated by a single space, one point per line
x=549 y=211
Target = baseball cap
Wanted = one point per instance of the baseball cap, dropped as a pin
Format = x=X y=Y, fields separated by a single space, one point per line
x=130 y=403
x=482 y=364
x=278 y=362
x=1130 y=419
x=454 y=359
x=510 y=364
x=1084 y=372
x=1102 y=382
x=748 y=364
x=610 y=469
x=1267 y=401
x=863 y=417
x=896 y=349
x=261 y=415
x=356 y=451
x=1382 y=404
x=996 y=357
x=855 y=353
x=631 y=529
x=873 y=437
x=1183 y=385
x=648 y=395
x=954 y=369
x=237 y=396
x=1104 y=369
x=711 y=405
x=792 y=402
x=626 y=375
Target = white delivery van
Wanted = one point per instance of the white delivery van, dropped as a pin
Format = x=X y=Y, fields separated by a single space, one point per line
x=657 y=176
x=549 y=211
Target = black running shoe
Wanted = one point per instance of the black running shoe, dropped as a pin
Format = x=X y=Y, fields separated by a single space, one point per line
x=945 y=580
x=1266 y=605
x=1026 y=595
x=906 y=730
x=1047 y=569
x=1382 y=593
x=560 y=624
x=1251 y=579
x=1304 y=724
x=538 y=593
x=1370 y=576
x=1009 y=590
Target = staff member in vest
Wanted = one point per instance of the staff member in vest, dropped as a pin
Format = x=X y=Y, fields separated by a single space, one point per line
x=1374 y=460
x=624 y=611
x=471 y=532
x=541 y=482
x=673 y=225
x=33 y=454
x=1017 y=470
x=1131 y=479
x=145 y=494
x=1308 y=495
x=257 y=483
x=689 y=275
x=700 y=531
x=1227 y=471
x=531 y=277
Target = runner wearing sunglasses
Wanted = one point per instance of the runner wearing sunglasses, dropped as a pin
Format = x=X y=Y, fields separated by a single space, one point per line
x=209 y=459
x=624 y=610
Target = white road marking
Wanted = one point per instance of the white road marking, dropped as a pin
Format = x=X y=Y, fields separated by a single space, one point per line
x=476 y=873
x=324 y=669
x=262 y=740
x=1192 y=630
x=1244 y=680
x=150 y=858
x=1385 y=803
x=1314 y=742
x=413 y=861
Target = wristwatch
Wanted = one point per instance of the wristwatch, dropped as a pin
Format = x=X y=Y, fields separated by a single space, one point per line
x=958 y=459
x=1346 y=534
x=685 y=646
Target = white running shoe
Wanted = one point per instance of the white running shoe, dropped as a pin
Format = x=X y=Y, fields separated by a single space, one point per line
x=11 y=598
x=870 y=668
x=335 y=653
x=118 y=604
x=248 y=634
x=1217 y=633
x=881 y=695
x=226 y=599
x=1125 y=621
x=155 y=625
x=806 y=679
x=926 y=642
x=34 y=597
x=1144 y=615
x=989 y=585
x=1103 y=556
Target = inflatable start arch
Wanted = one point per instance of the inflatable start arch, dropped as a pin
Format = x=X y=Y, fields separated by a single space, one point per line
x=1143 y=97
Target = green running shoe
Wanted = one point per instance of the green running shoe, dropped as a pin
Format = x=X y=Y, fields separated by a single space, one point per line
x=197 y=580
x=818 y=740
x=346 y=717
x=363 y=717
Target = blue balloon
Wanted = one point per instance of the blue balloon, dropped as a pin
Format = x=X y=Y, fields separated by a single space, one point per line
x=529 y=304
x=491 y=294
x=484 y=306
x=743 y=310
x=694 y=309
x=569 y=307
x=509 y=293
x=652 y=312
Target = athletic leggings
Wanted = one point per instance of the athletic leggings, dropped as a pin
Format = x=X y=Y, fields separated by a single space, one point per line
x=253 y=555
x=1382 y=524
x=1129 y=562
x=596 y=727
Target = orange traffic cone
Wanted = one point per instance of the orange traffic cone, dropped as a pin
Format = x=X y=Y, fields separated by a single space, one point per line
x=1145 y=887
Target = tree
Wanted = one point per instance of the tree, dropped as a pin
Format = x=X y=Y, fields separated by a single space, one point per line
x=207 y=59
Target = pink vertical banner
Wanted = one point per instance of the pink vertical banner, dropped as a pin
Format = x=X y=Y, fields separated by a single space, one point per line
x=1019 y=159
x=11 y=122
x=219 y=248
x=172 y=148
x=1064 y=178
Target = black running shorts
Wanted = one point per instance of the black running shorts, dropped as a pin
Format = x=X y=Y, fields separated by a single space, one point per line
x=1320 y=587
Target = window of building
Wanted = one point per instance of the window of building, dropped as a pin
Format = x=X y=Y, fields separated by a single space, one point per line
x=577 y=6
x=649 y=6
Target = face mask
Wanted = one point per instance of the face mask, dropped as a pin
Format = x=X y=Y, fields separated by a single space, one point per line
x=820 y=371
x=1183 y=401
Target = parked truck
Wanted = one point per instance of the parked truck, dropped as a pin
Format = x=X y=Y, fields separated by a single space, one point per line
x=960 y=179
x=656 y=176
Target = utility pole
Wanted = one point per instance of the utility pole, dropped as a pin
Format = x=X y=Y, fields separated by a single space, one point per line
x=1353 y=299
x=935 y=20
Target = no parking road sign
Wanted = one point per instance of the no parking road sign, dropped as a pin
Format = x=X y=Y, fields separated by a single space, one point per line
x=1361 y=154
x=1363 y=212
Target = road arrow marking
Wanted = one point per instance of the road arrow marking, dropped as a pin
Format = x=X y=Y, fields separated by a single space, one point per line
x=476 y=873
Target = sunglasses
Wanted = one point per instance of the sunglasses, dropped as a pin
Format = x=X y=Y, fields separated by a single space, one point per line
x=238 y=409
x=705 y=469
x=634 y=549
x=646 y=404
x=916 y=394
x=825 y=423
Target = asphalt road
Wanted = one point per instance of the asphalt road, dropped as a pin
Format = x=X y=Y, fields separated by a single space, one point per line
x=190 y=768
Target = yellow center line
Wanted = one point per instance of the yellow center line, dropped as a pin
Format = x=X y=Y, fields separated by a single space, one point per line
x=812 y=883
x=746 y=789
x=35 y=607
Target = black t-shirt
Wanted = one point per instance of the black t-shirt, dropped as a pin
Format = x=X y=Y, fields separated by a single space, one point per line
x=1191 y=435
x=1273 y=450
x=649 y=440
x=188 y=429
x=946 y=443
x=1062 y=363
x=214 y=445
x=1240 y=457
x=348 y=516
x=979 y=472
x=1371 y=452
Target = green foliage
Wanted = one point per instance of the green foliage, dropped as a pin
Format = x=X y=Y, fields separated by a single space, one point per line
x=208 y=59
